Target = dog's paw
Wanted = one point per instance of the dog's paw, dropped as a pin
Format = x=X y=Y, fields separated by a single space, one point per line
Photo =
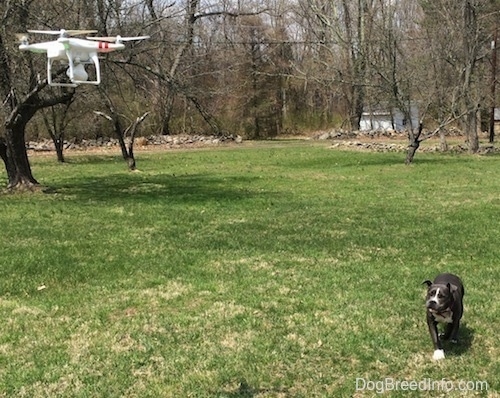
x=438 y=354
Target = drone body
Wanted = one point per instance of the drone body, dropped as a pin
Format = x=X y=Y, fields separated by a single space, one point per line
x=76 y=53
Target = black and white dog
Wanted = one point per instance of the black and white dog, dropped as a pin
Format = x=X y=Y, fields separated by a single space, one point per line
x=444 y=303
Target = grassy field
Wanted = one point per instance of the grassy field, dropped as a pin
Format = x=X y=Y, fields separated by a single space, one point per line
x=267 y=270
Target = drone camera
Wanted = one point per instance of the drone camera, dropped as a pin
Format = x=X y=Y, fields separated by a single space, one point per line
x=79 y=73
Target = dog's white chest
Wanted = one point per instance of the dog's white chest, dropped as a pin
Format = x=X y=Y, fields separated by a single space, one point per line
x=444 y=317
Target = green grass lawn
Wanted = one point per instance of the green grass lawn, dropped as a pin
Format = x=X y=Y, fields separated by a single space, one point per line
x=265 y=270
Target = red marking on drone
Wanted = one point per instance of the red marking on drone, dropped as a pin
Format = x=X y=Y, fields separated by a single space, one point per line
x=103 y=45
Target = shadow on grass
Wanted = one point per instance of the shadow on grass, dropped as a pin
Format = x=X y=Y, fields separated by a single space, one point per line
x=163 y=187
x=346 y=159
x=465 y=339
x=246 y=391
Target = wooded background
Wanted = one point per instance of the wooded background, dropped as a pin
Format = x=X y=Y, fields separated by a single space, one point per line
x=262 y=68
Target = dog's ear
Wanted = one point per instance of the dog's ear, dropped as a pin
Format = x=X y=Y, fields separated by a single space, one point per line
x=448 y=285
x=427 y=282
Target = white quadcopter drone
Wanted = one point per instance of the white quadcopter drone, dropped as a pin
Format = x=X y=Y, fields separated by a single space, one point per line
x=74 y=52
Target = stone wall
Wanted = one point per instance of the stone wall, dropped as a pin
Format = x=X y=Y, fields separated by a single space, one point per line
x=168 y=141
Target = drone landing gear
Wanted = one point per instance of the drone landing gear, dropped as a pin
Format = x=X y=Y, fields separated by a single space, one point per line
x=53 y=83
x=80 y=75
x=76 y=73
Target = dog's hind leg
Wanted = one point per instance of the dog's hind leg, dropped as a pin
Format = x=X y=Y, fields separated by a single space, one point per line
x=454 y=330
x=447 y=332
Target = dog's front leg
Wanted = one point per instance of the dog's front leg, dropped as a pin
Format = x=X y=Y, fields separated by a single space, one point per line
x=438 y=348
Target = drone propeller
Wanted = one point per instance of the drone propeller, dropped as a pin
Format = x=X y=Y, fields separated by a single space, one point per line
x=117 y=39
x=64 y=32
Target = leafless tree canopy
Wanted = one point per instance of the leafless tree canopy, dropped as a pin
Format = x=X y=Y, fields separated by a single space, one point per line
x=260 y=68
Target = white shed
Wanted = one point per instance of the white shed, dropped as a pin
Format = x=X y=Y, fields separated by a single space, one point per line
x=388 y=119
x=496 y=120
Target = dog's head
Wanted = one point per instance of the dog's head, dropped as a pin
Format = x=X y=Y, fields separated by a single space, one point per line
x=439 y=297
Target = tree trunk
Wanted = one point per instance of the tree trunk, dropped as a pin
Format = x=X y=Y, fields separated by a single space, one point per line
x=56 y=125
x=120 y=135
x=9 y=164
x=16 y=159
x=443 y=144
x=414 y=144
x=166 y=109
x=470 y=128
x=17 y=164
x=133 y=130
x=412 y=149
x=356 y=61
x=59 y=145
x=127 y=153
x=470 y=35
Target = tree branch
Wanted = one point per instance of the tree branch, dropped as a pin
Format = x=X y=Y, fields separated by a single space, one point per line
x=104 y=115
x=32 y=100
x=230 y=14
x=443 y=124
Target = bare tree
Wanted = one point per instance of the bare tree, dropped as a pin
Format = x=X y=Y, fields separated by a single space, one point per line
x=470 y=53
x=125 y=134
x=341 y=30
x=56 y=121
x=258 y=66
x=454 y=30
x=21 y=101
x=170 y=81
